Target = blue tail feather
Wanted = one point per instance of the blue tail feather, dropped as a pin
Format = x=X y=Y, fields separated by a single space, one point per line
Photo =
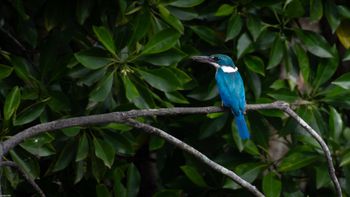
x=242 y=127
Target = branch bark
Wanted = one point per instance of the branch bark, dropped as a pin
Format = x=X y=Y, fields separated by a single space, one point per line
x=24 y=174
x=125 y=117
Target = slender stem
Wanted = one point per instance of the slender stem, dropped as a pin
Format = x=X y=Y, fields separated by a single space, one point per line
x=24 y=174
x=200 y=156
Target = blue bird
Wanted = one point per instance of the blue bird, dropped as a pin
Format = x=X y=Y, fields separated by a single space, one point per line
x=231 y=88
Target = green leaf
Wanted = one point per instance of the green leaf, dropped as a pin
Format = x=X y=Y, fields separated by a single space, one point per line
x=102 y=89
x=102 y=191
x=254 y=26
x=345 y=159
x=272 y=186
x=160 y=42
x=93 y=58
x=331 y=12
x=122 y=143
x=207 y=34
x=5 y=71
x=315 y=43
x=234 y=26
x=276 y=52
x=186 y=3
x=316 y=10
x=83 y=148
x=346 y=55
x=156 y=143
x=71 y=131
x=224 y=10
x=167 y=58
x=343 y=81
x=208 y=128
x=322 y=176
x=141 y=24
x=12 y=102
x=303 y=61
x=29 y=165
x=294 y=9
x=168 y=193
x=326 y=69
x=244 y=45
x=344 y=11
x=104 y=151
x=204 y=93
x=255 y=64
x=131 y=91
x=40 y=145
x=170 y=19
x=247 y=171
x=80 y=170
x=105 y=37
x=65 y=157
x=83 y=9
x=176 y=97
x=133 y=181
x=335 y=123
x=29 y=114
x=163 y=79
x=193 y=174
x=296 y=160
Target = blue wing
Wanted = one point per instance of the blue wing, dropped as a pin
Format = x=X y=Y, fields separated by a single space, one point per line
x=231 y=90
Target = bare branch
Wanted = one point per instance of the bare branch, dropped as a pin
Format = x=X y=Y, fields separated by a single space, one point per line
x=24 y=174
x=123 y=116
x=189 y=149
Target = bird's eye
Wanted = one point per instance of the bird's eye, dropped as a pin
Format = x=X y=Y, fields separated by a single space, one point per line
x=216 y=59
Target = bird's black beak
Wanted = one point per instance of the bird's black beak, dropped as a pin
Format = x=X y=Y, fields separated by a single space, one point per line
x=206 y=59
x=203 y=59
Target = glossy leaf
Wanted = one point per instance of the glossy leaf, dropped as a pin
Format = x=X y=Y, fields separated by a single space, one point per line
x=83 y=10
x=92 y=59
x=193 y=174
x=167 y=58
x=83 y=148
x=322 y=176
x=102 y=89
x=29 y=114
x=345 y=159
x=5 y=71
x=343 y=81
x=294 y=9
x=243 y=46
x=326 y=69
x=207 y=34
x=186 y=3
x=234 y=26
x=224 y=10
x=316 y=10
x=335 y=123
x=272 y=186
x=133 y=181
x=12 y=102
x=104 y=151
x=276 y=53
x=162 y=79
x=105 y=37
x=141 y=24
x=346 y=55
x=296 y=161
x=331 y=13
x=303 y=61
x=162 y=41
x=176 y=97
x=254 y=26
x=170 y=19
x=65 y=157
x=255 y=64
x=102 y=191
x=315 y=43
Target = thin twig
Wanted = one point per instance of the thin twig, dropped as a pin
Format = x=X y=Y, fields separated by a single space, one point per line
x=189 y=149
x=24 y=174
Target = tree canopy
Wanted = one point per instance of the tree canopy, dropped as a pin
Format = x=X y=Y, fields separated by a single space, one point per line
x=62 y=59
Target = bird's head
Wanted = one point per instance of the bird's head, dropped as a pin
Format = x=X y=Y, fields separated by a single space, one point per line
x=218 y=61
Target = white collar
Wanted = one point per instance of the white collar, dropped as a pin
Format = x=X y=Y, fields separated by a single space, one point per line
x=229 y=69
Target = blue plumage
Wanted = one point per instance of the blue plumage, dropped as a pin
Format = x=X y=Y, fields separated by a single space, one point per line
x=231 y=88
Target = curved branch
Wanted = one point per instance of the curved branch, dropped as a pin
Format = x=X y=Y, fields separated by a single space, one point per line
x=24 y=174
x=123 y=116
x=200 y=156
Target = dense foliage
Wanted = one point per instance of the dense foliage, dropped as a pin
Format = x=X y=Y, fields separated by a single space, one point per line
x=63 y=59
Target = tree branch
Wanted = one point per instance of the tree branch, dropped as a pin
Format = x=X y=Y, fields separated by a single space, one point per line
x=189 y=149
x=124 y=116
x=24 y=174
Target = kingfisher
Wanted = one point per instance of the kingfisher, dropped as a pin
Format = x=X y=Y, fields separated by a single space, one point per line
x=231 y=88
